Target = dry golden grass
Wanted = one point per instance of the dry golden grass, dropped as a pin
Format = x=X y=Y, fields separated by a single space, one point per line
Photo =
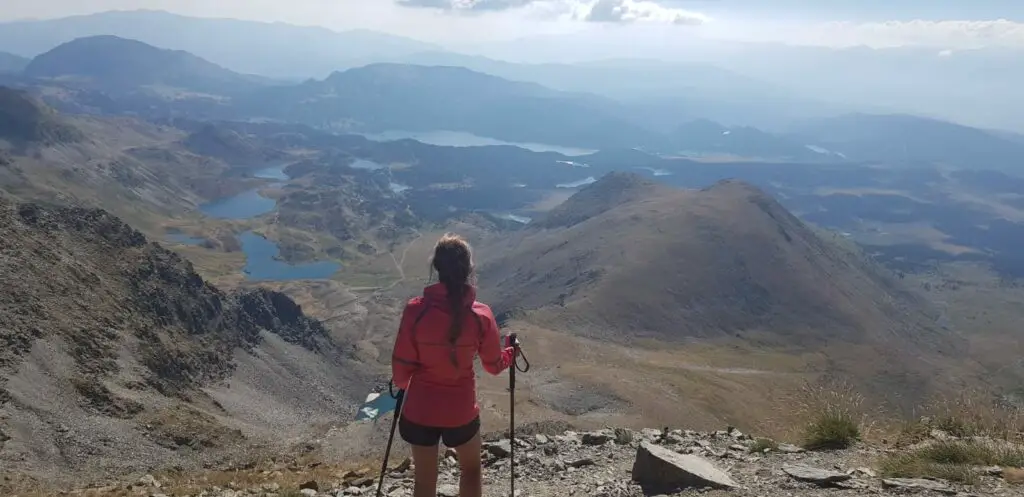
x=284 y=477
x=955 y=460
x=706 y=386
x=954 y=436
x=833 y=415
x=1013 y=475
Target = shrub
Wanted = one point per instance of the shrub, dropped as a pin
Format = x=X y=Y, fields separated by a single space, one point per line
x=975 y=414
x=832 y=417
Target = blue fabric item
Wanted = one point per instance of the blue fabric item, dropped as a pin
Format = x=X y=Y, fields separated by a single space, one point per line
x=376 y=405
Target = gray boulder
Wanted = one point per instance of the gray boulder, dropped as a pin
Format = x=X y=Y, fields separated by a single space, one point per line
x=660 y=469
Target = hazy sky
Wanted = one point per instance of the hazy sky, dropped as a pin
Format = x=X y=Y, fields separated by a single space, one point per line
x=939 y=23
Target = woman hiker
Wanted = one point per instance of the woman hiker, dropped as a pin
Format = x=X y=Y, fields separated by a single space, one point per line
x=440 y=336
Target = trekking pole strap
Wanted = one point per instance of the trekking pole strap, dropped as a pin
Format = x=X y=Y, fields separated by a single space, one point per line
x=391 y=390
x=519 y=353
x=525 y=366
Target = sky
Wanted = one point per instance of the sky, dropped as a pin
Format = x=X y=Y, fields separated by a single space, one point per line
x=945 y=24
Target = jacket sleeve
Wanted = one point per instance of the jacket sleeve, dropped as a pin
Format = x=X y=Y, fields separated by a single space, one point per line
x=405 y=356
x=494 y=356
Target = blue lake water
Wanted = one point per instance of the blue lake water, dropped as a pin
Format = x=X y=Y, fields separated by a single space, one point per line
x=242 y=206
x=518 y=219
x=275 y=172
x=576 y=184
x=656 y=172
x=463 y=139
x=260 y=262
x=365 y=164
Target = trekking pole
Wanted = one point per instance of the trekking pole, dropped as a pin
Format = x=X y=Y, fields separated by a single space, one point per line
x=512 y=401
x=399 y=404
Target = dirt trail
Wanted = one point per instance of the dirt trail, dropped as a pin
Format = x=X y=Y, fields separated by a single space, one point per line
x=400 y=263
x=375 y=291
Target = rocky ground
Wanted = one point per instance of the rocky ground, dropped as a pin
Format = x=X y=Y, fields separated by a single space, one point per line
x=605 y=463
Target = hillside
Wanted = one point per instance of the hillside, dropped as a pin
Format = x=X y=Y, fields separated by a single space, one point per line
x=119 y=64
x=385 y=97
x=113 y=347
x=24 y=120
x=706 y=136
x=909 y=139
x=10 y=63
x=137 y=170
x=229 y=145
x=626 y=261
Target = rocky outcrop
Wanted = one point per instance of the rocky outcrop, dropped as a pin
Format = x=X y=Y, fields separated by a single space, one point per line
x=83 y=277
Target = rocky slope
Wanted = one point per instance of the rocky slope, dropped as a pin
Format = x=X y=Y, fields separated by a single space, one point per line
x=116 y=355
x=604 y=463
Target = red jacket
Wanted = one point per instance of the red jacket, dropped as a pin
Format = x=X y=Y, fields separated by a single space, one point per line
x=438 y=393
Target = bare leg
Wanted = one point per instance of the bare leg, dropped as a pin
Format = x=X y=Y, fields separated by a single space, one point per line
x=470 y=470
x=425 y=460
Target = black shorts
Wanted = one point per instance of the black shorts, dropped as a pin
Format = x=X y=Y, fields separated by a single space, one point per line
x=427 y=436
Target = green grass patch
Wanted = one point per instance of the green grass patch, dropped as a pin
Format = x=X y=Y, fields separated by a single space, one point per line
x=762 y=444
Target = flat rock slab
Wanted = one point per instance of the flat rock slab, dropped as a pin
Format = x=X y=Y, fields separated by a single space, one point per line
x=918 y=484
x=660 y=468
x=815 y=475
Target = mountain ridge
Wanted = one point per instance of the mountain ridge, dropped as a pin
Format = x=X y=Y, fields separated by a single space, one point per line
x=122 y=64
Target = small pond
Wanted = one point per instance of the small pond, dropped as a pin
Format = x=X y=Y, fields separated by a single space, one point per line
x=275 y=172
x=242 y=206
x=261 y=262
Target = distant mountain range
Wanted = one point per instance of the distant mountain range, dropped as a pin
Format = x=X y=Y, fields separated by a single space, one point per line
x=117 y=64
x=662 y=92
x=908 y=139
x=668 y=91
x=110 y=74
x=382 y=97
x=270 y=49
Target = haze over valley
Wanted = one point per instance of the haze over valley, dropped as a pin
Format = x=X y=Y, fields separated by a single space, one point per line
x=213 y=217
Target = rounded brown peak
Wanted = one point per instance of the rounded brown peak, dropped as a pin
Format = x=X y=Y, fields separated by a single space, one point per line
x=735 y=185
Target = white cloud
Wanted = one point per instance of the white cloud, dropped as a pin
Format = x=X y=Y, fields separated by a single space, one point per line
x=628 y=11
x=601 y=11
x=951 y=34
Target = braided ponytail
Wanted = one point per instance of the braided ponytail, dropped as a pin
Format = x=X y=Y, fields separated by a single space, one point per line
x=453 y=262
